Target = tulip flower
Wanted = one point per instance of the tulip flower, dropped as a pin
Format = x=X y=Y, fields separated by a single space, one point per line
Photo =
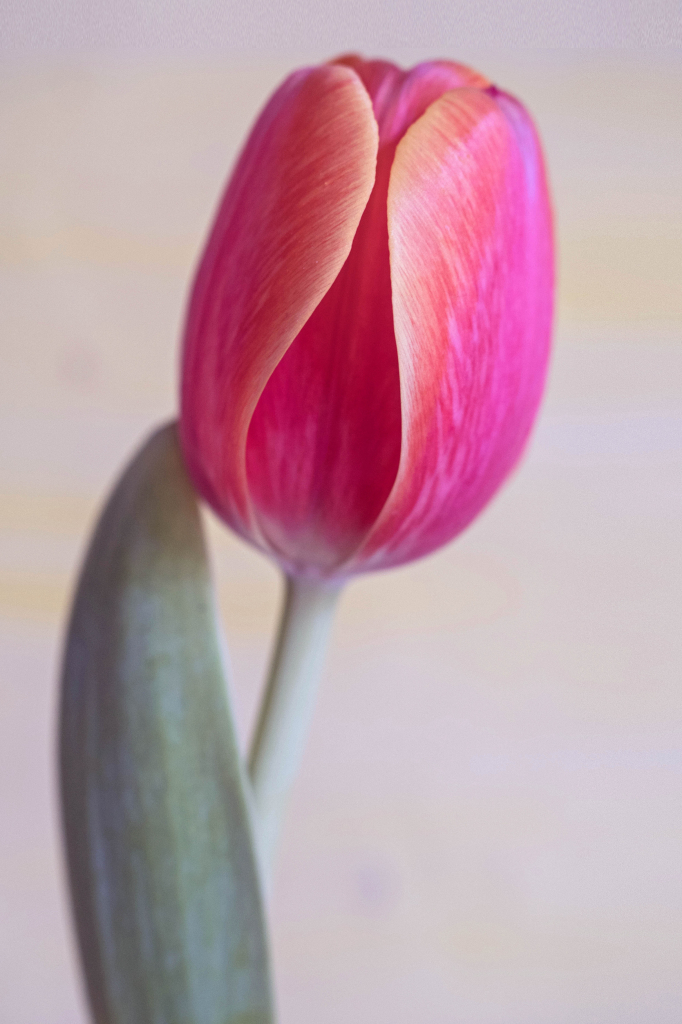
x=368 y=332
x=366 y=340
x=364 y=354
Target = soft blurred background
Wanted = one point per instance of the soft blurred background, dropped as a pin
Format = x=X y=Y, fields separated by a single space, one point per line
x=487 y=827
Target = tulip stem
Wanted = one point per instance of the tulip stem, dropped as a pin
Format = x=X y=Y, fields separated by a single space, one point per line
x=288 y=704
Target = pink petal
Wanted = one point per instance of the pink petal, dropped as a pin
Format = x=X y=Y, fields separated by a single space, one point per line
x=324 y=443
x=282 y=233
x=400 y=97
x=472 y=272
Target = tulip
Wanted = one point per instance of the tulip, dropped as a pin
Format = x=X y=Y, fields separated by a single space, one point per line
x=367 y=337
x=365 y=351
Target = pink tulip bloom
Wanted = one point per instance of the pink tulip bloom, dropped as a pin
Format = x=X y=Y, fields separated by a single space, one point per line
x=368 y=332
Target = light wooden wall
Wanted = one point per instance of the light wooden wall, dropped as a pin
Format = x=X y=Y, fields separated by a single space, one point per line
x=487 y=824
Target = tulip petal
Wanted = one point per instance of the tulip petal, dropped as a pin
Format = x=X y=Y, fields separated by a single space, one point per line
x=324 y=443
x=470 y=237
x=400 y=97
x=283 y=231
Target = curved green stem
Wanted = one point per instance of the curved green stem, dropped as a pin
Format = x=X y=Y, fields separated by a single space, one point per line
x=288 y=703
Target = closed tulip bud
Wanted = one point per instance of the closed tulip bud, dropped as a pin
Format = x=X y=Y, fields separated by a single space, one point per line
x=364 y=355
x=367 y=337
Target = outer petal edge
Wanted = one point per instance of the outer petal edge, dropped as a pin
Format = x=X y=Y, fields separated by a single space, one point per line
x=472 y=272
x=282 y=233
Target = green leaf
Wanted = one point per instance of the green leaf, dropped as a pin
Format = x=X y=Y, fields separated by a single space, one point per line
x=159 y=840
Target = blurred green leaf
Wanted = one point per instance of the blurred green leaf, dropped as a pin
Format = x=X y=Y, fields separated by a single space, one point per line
x=160 y=849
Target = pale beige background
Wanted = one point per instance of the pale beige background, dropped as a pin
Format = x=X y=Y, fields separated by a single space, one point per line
x=487 y=828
